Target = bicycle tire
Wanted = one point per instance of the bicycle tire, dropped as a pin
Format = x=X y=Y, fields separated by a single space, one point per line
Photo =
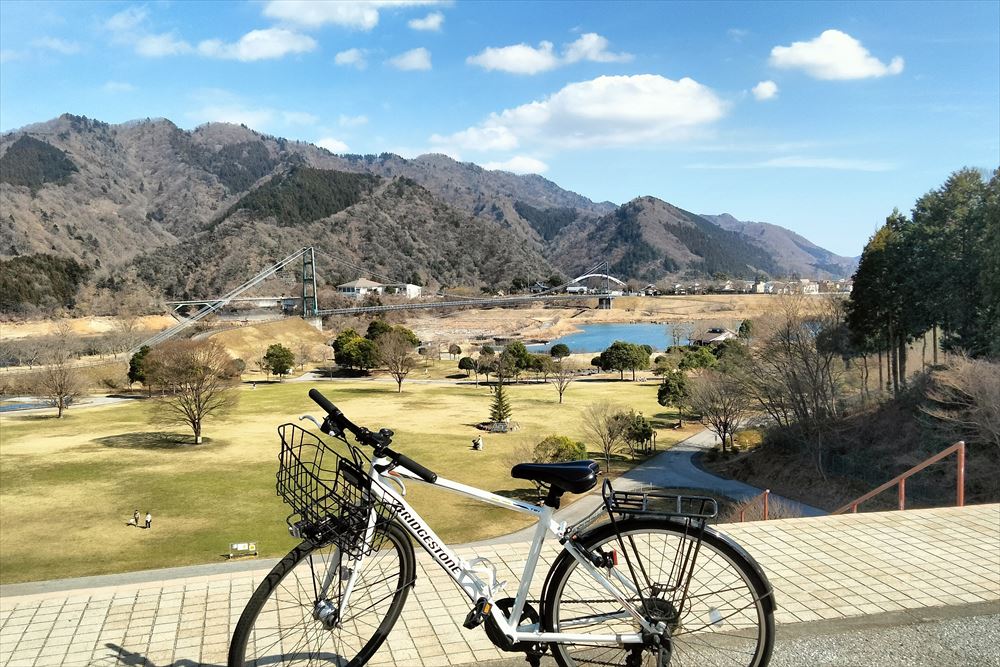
x=729 y=616
x=278 y=625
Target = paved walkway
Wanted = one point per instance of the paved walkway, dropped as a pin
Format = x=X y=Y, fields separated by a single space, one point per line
x=674 y=468
x=832 y=567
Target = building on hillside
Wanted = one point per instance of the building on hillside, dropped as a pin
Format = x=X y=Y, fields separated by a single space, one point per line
x=358 y=289
x=713 y=335
x=759 y=288
x=576 y=289
x=538 y=288
x=807 y=286
x=408 y=290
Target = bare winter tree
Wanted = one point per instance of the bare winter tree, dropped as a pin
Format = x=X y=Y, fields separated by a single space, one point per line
x=303 y=354
x=795 y=373
x=59 y=378
x=722 y=401
x=680 y=331
x=260 y=361
x=197 y=379
x=127 y=331
x=563 y=374
x=395 y=352
x=603 y=424
x=965 y=399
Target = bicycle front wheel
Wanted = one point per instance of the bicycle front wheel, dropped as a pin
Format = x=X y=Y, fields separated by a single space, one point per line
x=296 y=616
x=718 y=607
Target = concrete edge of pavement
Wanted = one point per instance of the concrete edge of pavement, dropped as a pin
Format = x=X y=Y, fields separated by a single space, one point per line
x=826 y=627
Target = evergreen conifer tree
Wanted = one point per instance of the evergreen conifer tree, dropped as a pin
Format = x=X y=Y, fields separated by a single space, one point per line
x=500 y=410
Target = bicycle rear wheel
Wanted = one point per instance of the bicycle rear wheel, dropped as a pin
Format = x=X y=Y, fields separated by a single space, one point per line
x=724 y=619
x=294 y=616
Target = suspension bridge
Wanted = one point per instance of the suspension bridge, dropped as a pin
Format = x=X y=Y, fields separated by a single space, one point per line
x=309 y=308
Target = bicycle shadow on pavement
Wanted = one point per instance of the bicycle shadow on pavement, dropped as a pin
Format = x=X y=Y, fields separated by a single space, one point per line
x=126 y=657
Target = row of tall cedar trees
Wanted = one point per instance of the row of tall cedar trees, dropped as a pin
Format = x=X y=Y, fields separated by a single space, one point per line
x=936 y=271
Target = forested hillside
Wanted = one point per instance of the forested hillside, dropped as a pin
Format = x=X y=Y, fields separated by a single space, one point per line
x=104 y=195
x=438 y=246
x=648 y=238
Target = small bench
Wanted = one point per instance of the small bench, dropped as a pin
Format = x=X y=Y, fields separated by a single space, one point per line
x=242 y=550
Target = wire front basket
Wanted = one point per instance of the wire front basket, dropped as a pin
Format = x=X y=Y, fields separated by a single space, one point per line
x=330 y=493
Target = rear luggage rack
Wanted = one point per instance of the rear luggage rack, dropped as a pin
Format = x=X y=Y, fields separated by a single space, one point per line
x=641 y=503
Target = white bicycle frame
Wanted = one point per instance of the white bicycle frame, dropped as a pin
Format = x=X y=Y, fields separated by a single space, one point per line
x=467 y=577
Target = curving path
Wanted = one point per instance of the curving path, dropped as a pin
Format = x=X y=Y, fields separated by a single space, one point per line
x=673 y=468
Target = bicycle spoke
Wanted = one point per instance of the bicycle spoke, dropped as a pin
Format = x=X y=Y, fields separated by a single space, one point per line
x=713 y=615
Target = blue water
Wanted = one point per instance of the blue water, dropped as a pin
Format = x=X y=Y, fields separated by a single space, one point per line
x=597 y=337
x=11 y=407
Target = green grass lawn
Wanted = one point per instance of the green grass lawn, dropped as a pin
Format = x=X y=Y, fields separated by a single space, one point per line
x=69 y=486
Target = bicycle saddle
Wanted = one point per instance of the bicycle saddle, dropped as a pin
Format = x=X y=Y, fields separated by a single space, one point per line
x=570 y=476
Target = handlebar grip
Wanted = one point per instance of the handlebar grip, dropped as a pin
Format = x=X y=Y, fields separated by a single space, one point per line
x=338 y=417
x=323 y=402
x=417 y=469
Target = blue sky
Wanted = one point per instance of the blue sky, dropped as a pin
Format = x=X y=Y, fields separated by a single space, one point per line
x=820 y=117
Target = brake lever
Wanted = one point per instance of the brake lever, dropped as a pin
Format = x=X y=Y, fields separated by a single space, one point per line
x=312 y=419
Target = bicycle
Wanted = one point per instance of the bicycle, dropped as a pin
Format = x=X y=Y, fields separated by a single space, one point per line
x=652 y=585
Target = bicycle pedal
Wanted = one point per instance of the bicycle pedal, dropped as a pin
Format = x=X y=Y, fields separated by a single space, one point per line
x=477 y=614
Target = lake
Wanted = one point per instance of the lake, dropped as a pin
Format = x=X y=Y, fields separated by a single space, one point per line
x=597 y=337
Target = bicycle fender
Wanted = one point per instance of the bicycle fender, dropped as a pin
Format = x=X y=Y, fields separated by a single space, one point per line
x=607 y=529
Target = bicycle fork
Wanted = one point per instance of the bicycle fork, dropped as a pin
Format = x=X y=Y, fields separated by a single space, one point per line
x=326 y=611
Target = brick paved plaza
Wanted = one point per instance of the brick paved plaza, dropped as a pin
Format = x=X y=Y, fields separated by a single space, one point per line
x=824 y=567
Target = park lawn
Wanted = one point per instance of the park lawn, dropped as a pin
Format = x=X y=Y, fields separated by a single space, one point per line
x=69 y=486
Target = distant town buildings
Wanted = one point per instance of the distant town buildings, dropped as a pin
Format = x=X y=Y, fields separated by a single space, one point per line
x=712 y=336
x=358 y=289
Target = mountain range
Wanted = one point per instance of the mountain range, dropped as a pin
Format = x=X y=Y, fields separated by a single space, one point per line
x=193 y=212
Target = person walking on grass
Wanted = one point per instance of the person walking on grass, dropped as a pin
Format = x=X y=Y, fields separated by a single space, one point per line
x=149 y=520
x=135 y=518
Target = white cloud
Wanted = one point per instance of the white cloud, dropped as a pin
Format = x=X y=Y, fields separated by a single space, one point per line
x=765 y=90
x=214 y=105
x=351 y=58
x=430 y=22
x=58 y=45
x=357 y=14
x=158 y=46
x=352 y=121
x=127 y=19
x=519 y=164
x=526 y=59
x=130 y=26
x=737 y=34
x=257 y=119
x=259 y=45
x=10 y=55
x=332 y=145
x=801 y=162
x=606 y=111
x=517 y=59
x=593 y=47
x=414 y=59
x=484 y=138
x=833 y=55
x=117 y=87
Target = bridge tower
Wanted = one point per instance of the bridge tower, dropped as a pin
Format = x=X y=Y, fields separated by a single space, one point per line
x=309 y=303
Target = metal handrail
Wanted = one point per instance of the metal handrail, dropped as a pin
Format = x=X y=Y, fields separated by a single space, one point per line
x=765 y=497
x=958 y=447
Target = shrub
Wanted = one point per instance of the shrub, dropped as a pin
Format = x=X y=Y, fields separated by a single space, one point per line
x=555 y=448
x=748 y=438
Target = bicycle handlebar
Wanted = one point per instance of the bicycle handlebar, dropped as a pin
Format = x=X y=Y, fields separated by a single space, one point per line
x=378 y=441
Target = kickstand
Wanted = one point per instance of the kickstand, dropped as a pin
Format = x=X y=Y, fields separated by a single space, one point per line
x=533 y=656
